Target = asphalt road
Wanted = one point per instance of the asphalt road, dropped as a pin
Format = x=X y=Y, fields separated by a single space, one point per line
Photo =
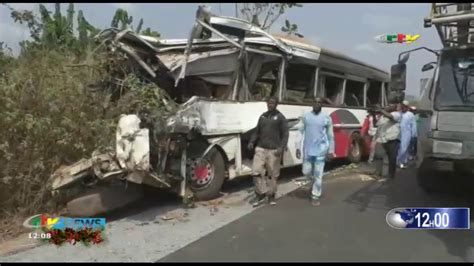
x=349 y=226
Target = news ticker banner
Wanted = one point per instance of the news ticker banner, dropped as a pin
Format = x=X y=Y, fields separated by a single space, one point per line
x=429 y=218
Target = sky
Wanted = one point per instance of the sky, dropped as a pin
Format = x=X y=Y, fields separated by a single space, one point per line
x=347 y=28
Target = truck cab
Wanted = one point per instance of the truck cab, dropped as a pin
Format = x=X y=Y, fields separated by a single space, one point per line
x=446 y=133
x=446 y=111
x=446 y=108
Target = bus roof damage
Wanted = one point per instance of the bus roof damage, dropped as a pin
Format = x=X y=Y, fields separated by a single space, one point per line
x=221 y=59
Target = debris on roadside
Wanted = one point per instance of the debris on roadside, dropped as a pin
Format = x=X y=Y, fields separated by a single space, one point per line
x=234 y=201
x=301 y=182
x=211 y=202
x=166 y=218
x=213 y=210
x=353 y=168
x=364 y=177
x=175 y=216
x=189 y=203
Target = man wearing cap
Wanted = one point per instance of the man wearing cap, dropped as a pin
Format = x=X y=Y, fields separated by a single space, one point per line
x=407 y=132
x=317 y=144
x=388 y=134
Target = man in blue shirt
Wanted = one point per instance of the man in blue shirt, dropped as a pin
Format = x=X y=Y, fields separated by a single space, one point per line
x=408 y=131
x=414 y=138
x=318 y=142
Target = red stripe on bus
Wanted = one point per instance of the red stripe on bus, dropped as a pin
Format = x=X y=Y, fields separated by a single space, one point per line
x=341 y=138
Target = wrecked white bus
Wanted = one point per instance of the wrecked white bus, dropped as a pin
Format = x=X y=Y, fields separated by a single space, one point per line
x=222 y=75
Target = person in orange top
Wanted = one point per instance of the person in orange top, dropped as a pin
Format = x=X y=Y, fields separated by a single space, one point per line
x=369 y=128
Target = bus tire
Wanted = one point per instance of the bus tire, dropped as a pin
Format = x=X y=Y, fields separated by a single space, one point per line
x=355 y=149
x=206 y=179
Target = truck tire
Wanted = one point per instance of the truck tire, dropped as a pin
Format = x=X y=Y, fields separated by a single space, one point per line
x=428 y=178
x=355 y=149
x=207 y=177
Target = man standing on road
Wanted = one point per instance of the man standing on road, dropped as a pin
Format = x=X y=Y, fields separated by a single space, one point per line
x=414 y=139
x=389 y=137
x=271 y=137
x=407 y=127
x=318 y=142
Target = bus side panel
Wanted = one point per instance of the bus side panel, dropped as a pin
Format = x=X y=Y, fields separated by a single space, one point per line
x=294 y=143
x=344 y=122
x=342 y=140
x=218 y=118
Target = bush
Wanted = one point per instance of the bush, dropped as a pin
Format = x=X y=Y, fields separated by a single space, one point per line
x=49 y=117
x=49 y=114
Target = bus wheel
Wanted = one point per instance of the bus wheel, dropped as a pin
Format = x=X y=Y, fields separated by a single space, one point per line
x=355 y=150
x=206 y=176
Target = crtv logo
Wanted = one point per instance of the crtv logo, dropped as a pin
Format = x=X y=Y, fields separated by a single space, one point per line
x=397 y=38
x=61 y=223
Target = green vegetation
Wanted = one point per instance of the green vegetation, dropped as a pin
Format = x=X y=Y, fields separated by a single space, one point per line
x=265 y=15
x=56 y=105
x=59 y=103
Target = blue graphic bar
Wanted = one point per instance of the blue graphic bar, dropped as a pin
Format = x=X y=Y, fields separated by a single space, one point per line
x=79 y=223
x=429 y=218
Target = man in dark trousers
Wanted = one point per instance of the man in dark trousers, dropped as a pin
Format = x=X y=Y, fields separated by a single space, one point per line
x=271 y=138
x=389 y=136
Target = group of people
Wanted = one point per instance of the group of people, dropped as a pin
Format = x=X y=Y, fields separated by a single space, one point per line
x=270 y=140
x=394 y=129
